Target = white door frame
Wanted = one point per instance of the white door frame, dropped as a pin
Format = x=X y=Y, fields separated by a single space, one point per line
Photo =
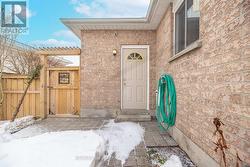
x=147 y=65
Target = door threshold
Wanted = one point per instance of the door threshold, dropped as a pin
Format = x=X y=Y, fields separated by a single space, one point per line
x=63 y=116
x=134 y=112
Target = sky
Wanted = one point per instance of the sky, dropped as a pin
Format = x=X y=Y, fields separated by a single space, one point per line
x=45 y=28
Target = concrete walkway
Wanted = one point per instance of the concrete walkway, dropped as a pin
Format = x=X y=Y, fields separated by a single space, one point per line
x=138 y=158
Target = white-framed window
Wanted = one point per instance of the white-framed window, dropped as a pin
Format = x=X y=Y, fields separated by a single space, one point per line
x=187 y=23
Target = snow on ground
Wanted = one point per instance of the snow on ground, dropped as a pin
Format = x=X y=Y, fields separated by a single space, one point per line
x=29 y=148
x=173 y=161
x=68 y=148
x=169 y=157
x=121 y=138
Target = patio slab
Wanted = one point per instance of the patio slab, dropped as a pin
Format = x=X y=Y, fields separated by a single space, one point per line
x=138 y=158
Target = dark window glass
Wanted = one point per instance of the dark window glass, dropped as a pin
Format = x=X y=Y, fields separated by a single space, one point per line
x=193 y=16
x=186 y=24
x=180 y=29
x=135 y=56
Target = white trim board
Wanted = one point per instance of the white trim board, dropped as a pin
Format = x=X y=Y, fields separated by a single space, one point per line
x=148 y=71
x=176 y=5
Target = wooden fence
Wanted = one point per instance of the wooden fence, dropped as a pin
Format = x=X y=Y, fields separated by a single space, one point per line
x=13 y=87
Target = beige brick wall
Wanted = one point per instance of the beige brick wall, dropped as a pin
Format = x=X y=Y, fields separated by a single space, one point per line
x=214 y=80
x=101 y=71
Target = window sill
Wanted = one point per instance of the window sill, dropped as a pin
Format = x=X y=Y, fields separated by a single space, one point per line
x=195 y=45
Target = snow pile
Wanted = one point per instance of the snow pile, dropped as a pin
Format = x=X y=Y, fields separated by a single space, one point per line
x=18 y=124
x=169 y=156
x=173 y=161
x=7 y=127
x=121 y=138
x=69 y=148
x=30 y=131
x=4 y=137
x=2 y=126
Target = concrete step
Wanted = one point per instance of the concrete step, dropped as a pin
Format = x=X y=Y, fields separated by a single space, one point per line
x=133 y=118
x=133 y=112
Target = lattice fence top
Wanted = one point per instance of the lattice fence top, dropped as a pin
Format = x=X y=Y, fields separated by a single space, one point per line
x=59 y=50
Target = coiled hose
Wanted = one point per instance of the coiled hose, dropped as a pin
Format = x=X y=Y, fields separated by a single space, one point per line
x=166 y=102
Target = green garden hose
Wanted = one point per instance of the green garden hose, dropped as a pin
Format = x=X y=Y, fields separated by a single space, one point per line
x=166 y=102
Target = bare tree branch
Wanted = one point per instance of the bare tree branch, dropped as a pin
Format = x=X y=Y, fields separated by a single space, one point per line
x=6 y=43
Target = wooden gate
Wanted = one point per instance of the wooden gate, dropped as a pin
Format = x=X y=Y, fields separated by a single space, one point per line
x=63 y=91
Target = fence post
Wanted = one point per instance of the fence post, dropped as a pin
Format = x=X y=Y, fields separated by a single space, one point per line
x=43 y=87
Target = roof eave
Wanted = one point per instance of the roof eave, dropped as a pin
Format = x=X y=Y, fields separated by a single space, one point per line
x=156 y=10
x=103 y=20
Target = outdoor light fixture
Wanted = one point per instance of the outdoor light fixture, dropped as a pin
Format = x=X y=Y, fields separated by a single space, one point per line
x=114 y=52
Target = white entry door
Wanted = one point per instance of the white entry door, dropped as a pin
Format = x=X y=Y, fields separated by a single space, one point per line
x=134 y=78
